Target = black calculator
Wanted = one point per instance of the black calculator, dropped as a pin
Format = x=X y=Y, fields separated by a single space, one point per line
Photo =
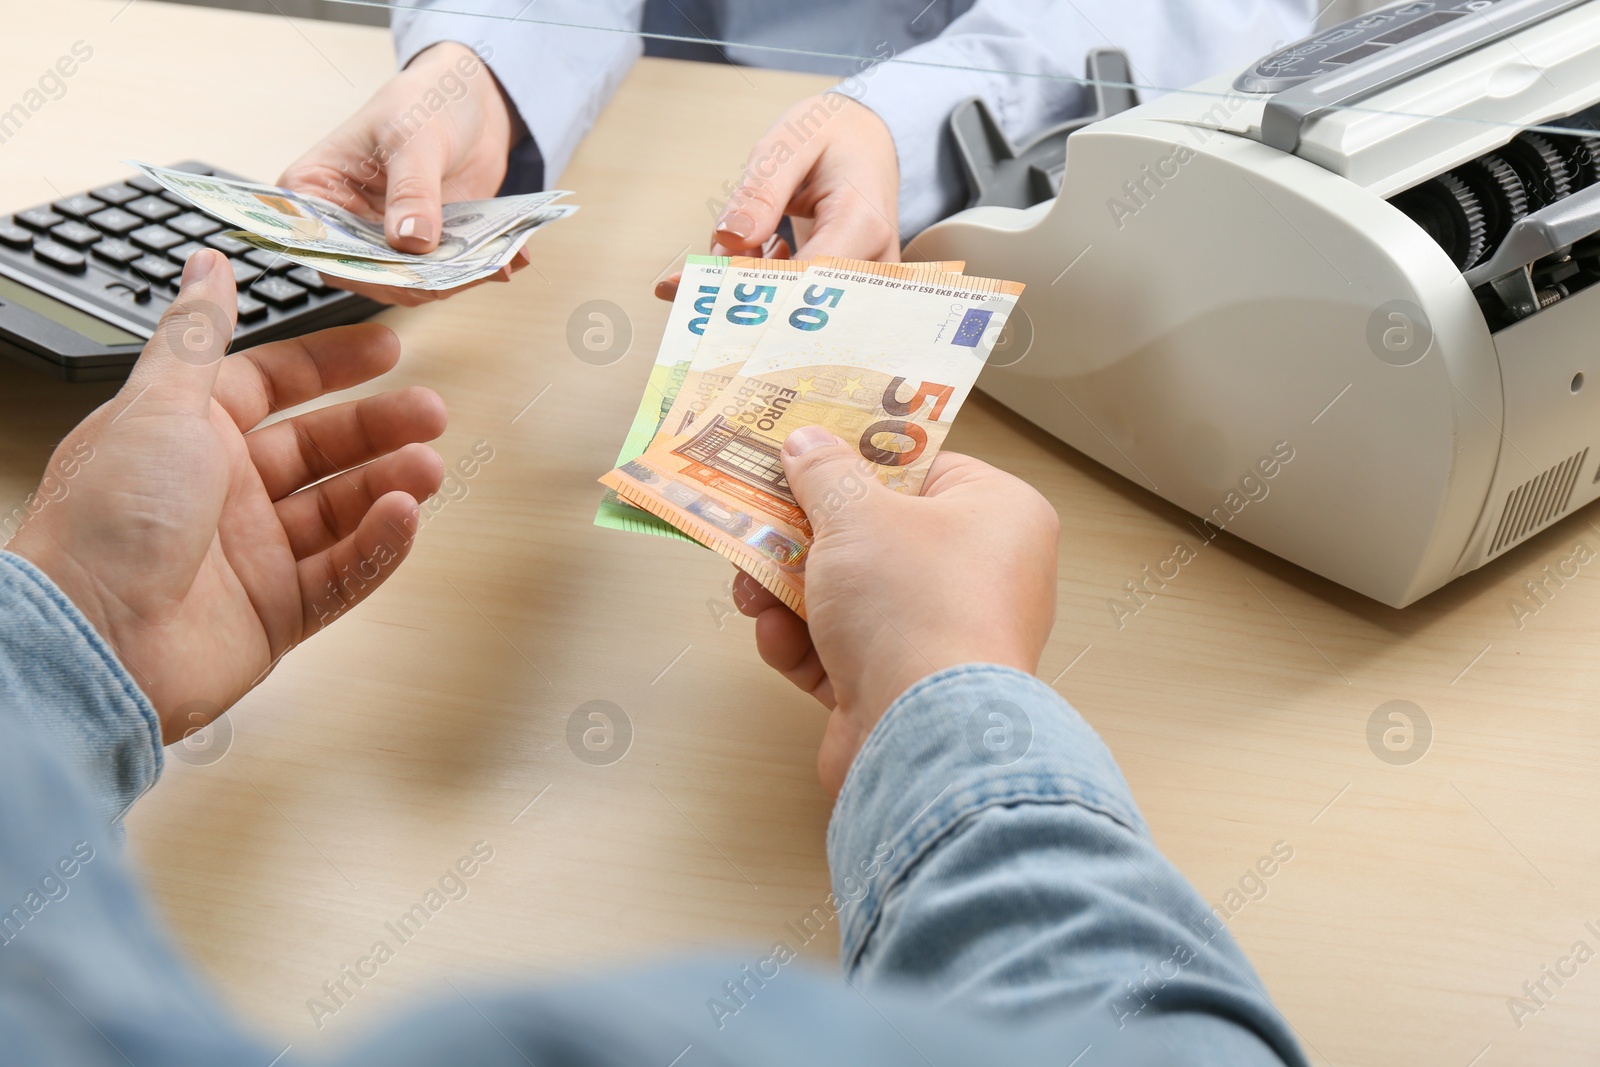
x=85 y=279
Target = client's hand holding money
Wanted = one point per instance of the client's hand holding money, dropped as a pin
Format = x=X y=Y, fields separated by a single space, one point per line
x=880 y=355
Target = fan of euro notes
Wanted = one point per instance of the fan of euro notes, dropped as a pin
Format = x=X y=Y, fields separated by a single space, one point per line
x=478 y=237
x=881 y=354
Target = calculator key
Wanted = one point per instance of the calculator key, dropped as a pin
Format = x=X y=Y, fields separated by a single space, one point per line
x=115 y=194
x=78 y=207
x=152 y=208
x=59 y=255
x=193 y=224
x=278 y=291
x=145 y=185
x=244 y=273
x=14 y=236
x=155 y=238
x=157 y=270
x=76 y=234
x=228 y=246
x=181 y=253
x=131 y=288
x=39 y=218
x=250 y=308
x=309 y=278
x=116 y=250
x=268 y=261
x=115 y=221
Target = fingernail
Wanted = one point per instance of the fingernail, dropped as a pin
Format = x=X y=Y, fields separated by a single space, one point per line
x=666 y=290
x=736 y=223
x=413 y=226
x=198 y=265
x=806 y=438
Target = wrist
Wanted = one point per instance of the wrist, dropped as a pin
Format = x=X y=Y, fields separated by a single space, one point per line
x=70 y=580
x=502 y=124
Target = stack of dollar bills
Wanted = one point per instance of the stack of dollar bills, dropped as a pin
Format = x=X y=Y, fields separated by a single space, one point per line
x=478 y=237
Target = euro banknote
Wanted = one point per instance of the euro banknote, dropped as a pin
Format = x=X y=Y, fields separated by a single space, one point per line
x=882 y=355
x=686 y=326
x=750 y=289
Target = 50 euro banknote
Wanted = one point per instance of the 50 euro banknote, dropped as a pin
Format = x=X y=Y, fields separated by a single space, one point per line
x=882 y=355
x=737 y=318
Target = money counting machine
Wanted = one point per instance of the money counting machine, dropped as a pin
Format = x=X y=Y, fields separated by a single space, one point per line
x=1341 y=304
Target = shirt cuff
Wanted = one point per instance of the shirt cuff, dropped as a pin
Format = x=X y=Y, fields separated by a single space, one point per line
x=956 y=743
x=60 y=676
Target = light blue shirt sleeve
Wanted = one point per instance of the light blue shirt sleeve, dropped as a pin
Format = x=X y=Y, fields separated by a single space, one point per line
x=1026 y=57
x=997 y=895
x=558 y=60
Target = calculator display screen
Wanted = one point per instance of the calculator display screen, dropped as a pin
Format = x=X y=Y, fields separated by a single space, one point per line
x=80 y=322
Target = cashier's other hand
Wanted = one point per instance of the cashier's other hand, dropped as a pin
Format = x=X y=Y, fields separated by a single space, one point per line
x=383 y=163
x=841 y=185
x=899 y=587
x=202 y=545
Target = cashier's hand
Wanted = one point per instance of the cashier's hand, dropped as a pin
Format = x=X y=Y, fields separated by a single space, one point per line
x=841 y=184
x=899 y=587
x=385 y=163
x=203 y=546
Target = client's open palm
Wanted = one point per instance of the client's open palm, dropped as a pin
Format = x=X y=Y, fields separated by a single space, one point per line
x=203 y=545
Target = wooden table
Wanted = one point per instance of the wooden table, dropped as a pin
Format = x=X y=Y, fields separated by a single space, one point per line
x=1420 y=896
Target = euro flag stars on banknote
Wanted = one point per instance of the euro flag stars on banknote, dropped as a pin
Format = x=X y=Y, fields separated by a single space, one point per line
x=882 y=355
x=478 y=237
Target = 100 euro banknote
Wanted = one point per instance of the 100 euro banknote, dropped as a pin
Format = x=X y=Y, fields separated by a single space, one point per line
x=883 y=355
x=686 y=325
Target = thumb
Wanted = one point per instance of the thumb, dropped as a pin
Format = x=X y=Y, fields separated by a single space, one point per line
x=826 y=475
x=179 y=364
x=415 y=176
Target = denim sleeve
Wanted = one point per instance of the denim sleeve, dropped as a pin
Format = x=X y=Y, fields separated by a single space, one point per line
x=558 y=60
x=51 y=659
x=1026 y=59
x=1014 y=884
x=985 y=850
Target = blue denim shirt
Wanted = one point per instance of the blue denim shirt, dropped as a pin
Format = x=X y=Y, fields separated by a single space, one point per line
x=999 y=896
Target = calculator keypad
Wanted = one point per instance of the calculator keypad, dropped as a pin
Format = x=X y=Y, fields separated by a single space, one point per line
x=121 y=247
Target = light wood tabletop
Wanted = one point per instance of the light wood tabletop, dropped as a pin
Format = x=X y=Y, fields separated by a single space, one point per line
x=1424 y=888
